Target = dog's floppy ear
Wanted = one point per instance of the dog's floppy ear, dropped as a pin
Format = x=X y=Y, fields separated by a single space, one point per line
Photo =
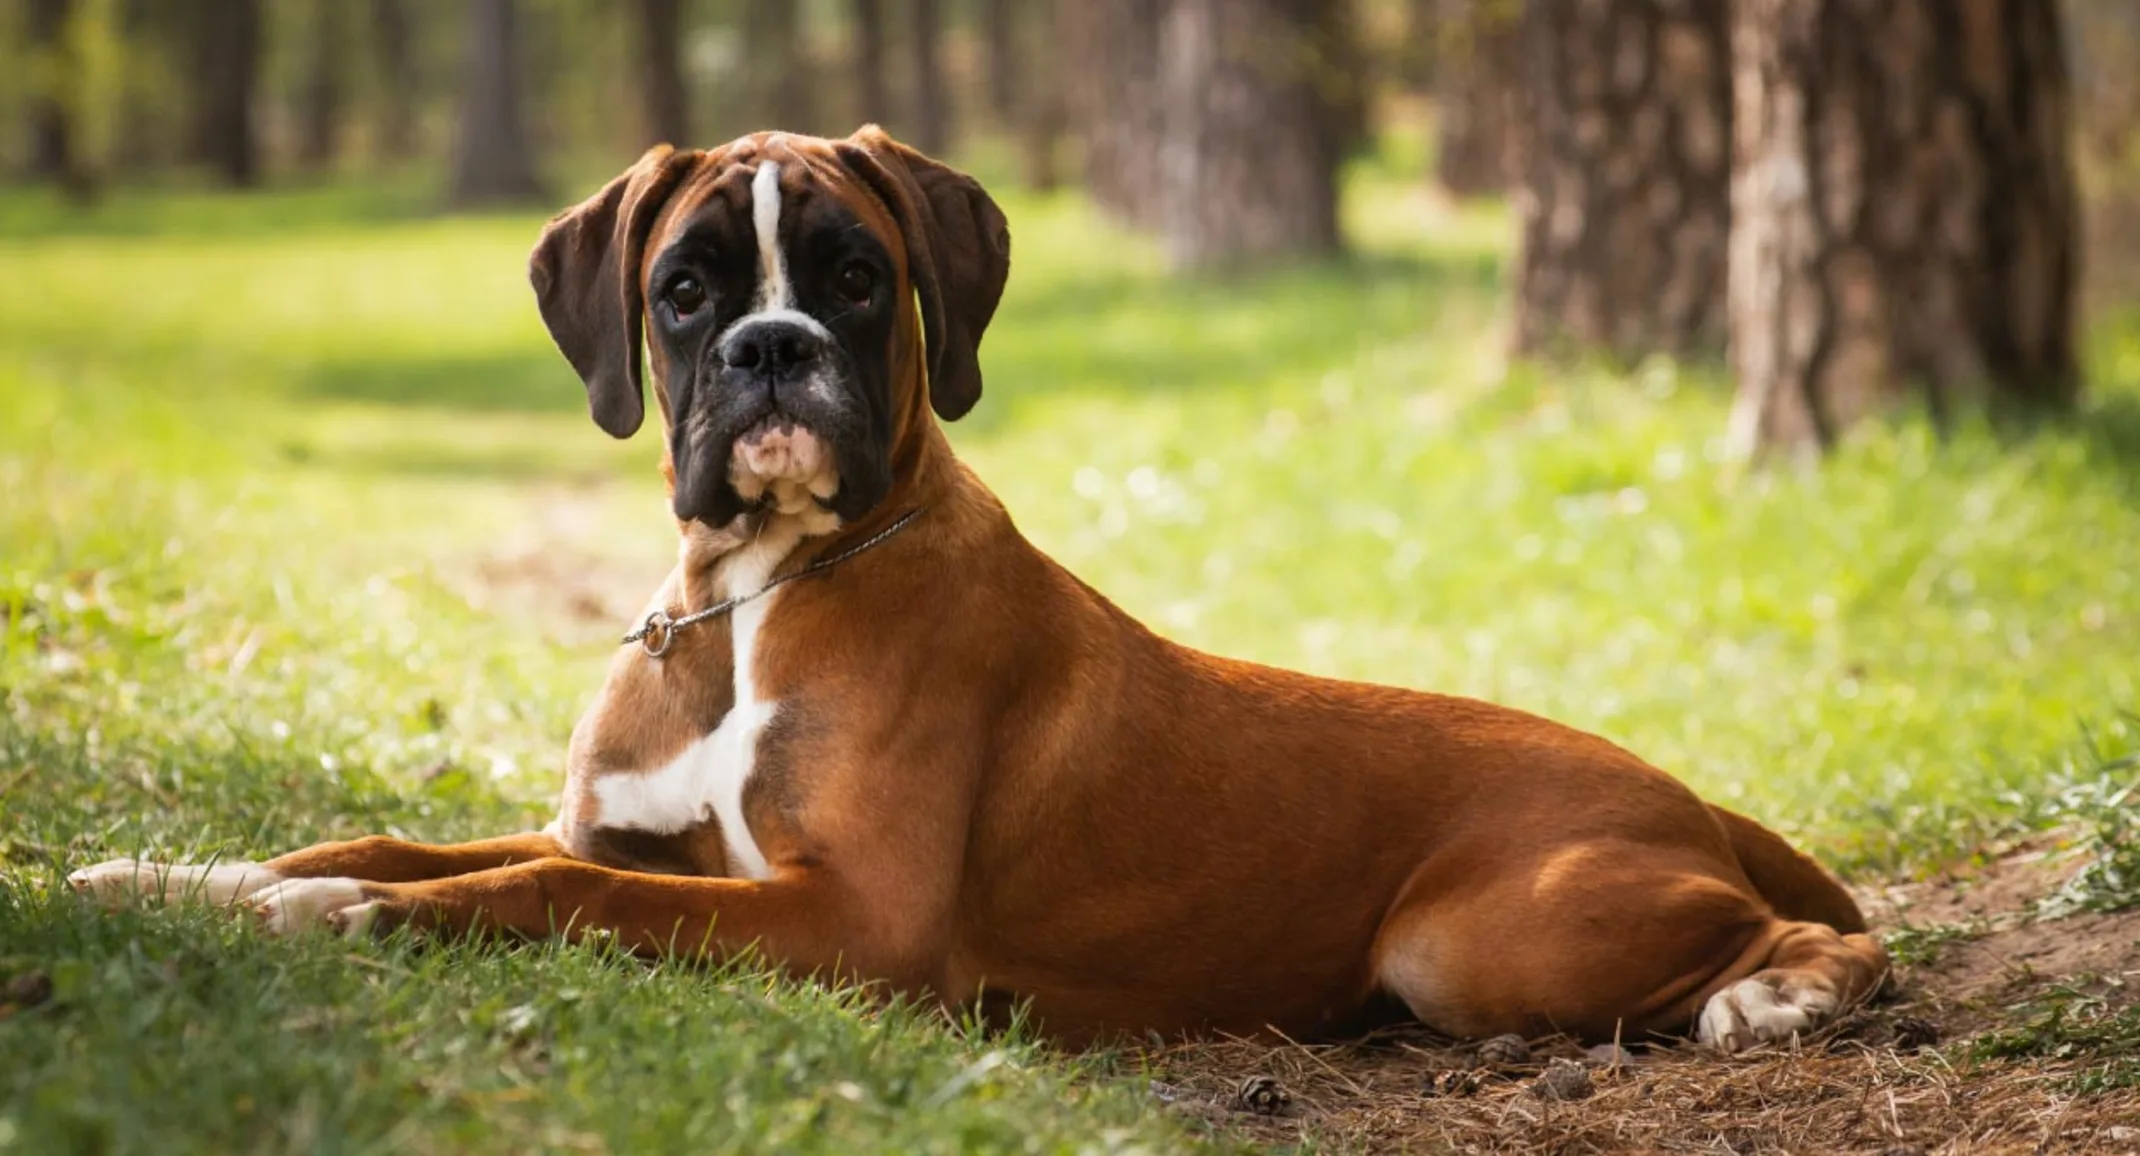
x=958 y=256
x=585 y=270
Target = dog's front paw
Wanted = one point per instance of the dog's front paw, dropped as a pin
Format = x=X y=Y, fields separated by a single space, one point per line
x=1761 y=1010
x=118 y=882
x=296 y=905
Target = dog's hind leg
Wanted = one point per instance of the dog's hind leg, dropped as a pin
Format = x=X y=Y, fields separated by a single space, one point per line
x=1606 y=939
x=1811 y=973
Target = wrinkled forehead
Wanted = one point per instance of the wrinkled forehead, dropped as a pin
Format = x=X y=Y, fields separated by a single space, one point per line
x=770 y=185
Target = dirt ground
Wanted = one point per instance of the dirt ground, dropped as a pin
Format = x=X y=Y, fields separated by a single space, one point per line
x=1903 y=1076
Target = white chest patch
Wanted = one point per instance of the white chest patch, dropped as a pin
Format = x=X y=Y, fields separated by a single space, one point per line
x=708 y=778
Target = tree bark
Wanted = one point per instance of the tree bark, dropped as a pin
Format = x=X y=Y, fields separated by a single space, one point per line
x=1256 y=121
x=492 y=159
x=1905 y=216
x=661 y=72
x=778 y=82
x=999 y=35
x=53 y=97
x=1111 y=50
x=1044 y=113
x=872 y=96
x=392 y=49
x=1478 y=91
x=1626 y=201
x=932 y=113
x=226 y=42
x=326 y=84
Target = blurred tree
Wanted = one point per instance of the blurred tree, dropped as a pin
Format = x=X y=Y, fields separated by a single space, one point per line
x=1905 y=212
x=660 y=66
x=142 y=135
x=2105 y=48
x=776 y=81
x=1416 y=58
x=393 y=52
x=999 y=36
x=1110 y=52
x=932 y=113
x=226 y=72
x=395 y=56
x=1478 y=88
x=53 y=101
x=871 y=94
x=1626 y=202
x=325 y=84
x=1043 y=112
x=1258 y=109
x=492 y=159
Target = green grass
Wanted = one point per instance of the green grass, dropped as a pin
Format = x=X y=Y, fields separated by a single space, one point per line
x=256 y=454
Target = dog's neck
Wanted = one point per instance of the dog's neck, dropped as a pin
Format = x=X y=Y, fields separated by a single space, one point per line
x=739 y=557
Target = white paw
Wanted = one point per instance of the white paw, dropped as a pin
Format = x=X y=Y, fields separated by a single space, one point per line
x=121 y=881
x=1753 y=1012
x=296 y=905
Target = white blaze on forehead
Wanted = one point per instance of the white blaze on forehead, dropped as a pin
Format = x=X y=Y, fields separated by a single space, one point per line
x=776 y=294
x=773 y=292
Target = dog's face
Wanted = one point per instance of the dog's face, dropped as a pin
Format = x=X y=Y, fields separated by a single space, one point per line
x=774 y=282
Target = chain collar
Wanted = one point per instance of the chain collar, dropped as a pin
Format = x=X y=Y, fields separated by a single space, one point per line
x=659 y=631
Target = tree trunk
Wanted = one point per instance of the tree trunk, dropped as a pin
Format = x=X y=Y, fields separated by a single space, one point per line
x=1044 y=114
x=492 y=159
x=1111 y=51
x=394 y=55
x=226 y=42
x=1626 y=201
x=1904 y=209
x=1479 y=86
x=661 y=72
x=999 y=35
x=1418 y=59
x=774 y=69
x=141 y=132
x=932 y=114
x=872 y=96
x=53 y=98
x=1254 y=129
x=326 y=84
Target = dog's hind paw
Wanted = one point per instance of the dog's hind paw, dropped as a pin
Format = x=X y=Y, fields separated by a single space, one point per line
x=1764 y=1010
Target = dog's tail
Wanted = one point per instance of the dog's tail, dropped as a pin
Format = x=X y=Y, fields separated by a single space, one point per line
x=1796 y=886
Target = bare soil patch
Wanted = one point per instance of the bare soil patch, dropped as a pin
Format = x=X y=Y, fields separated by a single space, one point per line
x=562 y=570
x=1921 y=1070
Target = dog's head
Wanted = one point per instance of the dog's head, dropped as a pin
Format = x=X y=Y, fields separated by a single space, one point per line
x=774 y=282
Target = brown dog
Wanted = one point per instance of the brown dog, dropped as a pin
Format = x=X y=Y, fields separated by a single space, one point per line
x=937 y=761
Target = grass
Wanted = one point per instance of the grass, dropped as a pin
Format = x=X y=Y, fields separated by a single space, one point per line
x=2068 y=1022
x=303 y=518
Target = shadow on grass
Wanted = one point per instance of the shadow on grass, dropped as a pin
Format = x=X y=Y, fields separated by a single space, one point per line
x=1122 y=333
x=522 y=380
x=34 y=215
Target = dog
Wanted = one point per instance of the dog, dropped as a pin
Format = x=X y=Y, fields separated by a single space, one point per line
x=868 y=731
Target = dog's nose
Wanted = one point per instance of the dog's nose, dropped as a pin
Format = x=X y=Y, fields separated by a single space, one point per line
x=771 y=346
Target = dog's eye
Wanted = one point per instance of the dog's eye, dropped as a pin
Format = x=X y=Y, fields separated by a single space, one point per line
x=858 y=283
x=687 y=297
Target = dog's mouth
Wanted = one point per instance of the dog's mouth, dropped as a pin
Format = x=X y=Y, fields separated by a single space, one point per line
x=781 y=464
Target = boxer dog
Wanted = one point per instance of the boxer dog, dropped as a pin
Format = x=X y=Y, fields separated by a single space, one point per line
x=870 y=732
